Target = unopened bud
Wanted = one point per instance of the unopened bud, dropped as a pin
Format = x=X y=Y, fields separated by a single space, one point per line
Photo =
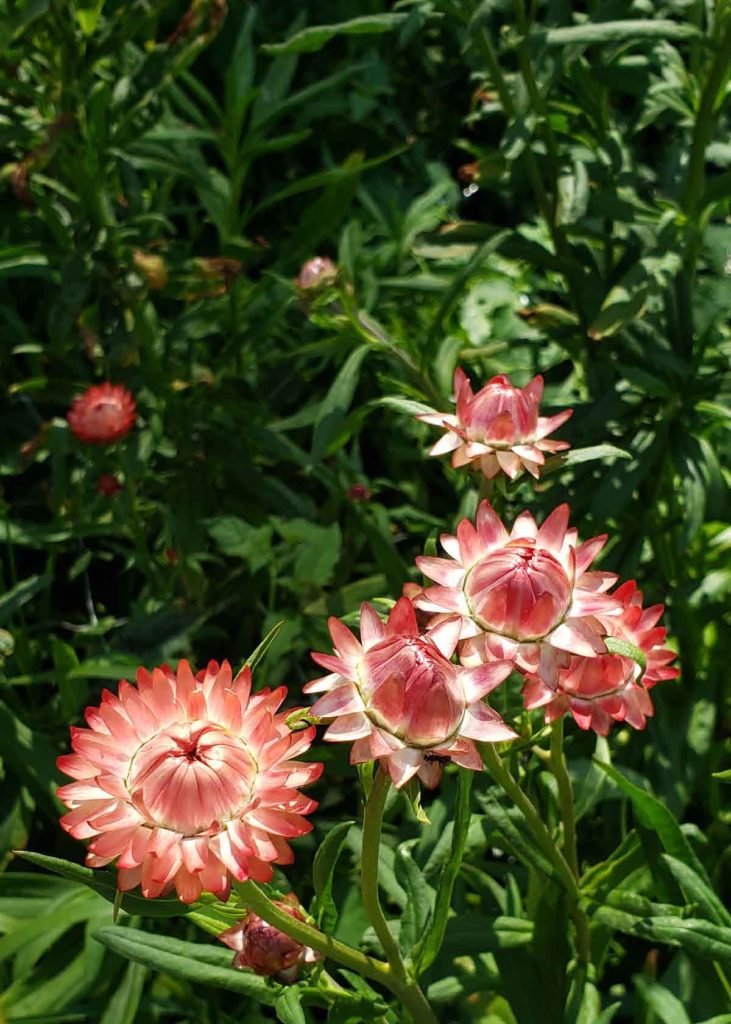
x=108 y=485
x=316 y=273
x=265 y=949
x=359 y=492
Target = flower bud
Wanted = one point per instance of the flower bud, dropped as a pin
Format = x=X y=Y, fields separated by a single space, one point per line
x=265 y=949
x=108 y=485
x=315 y=273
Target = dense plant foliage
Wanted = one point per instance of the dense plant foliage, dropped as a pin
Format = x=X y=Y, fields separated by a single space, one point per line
x=513 y=188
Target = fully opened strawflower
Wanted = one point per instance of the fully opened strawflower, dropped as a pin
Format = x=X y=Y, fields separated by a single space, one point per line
x=265 y=949
x=399 y=698
x=498 y=428
x=187 y=781
x=611 y=687
x=103 y=414
x=523 y=595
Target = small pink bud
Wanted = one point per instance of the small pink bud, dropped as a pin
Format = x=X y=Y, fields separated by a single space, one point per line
x=315 y=273
x=108 y=485
x=359 y=492
x=265 y=949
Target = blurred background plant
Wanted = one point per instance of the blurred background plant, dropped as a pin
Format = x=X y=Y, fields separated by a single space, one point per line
x=513 y=187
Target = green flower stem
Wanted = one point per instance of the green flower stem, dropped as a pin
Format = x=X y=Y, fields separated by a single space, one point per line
x=544 y=840
x=366 y=966
x=559 y=768
x=412 y=996
x=434 y=936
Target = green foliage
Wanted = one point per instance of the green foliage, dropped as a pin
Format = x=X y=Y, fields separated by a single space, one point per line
x=513 y=188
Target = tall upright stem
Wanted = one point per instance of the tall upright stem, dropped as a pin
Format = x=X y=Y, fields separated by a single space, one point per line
x=568 y=819
x=412 y=996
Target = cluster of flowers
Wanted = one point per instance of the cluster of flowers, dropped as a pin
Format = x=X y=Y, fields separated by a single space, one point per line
x=187 y=781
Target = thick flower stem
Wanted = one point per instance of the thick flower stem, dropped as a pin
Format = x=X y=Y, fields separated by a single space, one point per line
x=412 y=996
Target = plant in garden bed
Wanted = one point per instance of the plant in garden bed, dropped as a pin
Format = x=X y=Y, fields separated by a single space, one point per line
x=170 y=174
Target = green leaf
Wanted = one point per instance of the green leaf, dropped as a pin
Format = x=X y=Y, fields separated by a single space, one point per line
x=261 y=649
x=598 y=451
x=696 y=890
x=724 y=776
x=288 y=1006
x=615 y=645
x=337 y=402
x=87 y=14
x=420 y=901
x=323 y=870
x=661 y=1001
x=313 y=38
x=469 y=934
x=596 y=32
x=192 y=961
x=105 y=883
x=21 y=593
x=123 y=1006
x=656 y=817
x=430 y=941
x=29 y=754
x=239 y=539
x=404 y=405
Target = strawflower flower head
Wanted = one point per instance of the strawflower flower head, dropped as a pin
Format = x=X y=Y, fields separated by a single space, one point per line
x=103 y=414
x=523 y=595
x=186 y=781
x=611 y=687
x=265 y=949
x=498 y=428
x=396 y=695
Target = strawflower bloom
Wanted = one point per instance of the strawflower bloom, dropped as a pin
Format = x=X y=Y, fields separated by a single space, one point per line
x=103 y=414
x=523 y=595
x=265 y=949
x=611 y=687
x=399 y=698
x=498 y=428
x=187 y=781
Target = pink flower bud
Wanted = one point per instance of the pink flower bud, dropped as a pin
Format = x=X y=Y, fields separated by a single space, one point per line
x=359 y=492
x=315 y=273
x=108 y=485
x=265 y=949
x=103 y=414
x=400 y=698
x=499 y=428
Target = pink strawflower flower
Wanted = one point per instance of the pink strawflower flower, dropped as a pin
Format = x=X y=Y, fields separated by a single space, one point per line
x=188 y=780
x=498 y=428
x=265 y=949
x=103 y=414
x=398 y=698
x=611 y=687
x=522 y=595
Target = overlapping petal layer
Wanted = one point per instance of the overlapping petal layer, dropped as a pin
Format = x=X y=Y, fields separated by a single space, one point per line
x=498 y=428
x=521 y=596
x=397 y=697
x=611 y=687
x=188 y=780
